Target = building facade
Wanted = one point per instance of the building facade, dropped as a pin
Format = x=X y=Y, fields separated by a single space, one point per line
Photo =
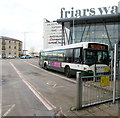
x=52 y=34
x=104 y=28
x=10 y=48
x=0 y=48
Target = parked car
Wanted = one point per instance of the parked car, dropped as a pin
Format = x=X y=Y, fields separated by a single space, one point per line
x=10 y=57
x=25 y=57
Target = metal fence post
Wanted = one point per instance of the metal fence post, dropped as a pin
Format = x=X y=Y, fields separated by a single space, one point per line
x=79 y=91
x=115 y=67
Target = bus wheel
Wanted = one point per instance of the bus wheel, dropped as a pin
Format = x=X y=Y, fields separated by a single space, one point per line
x=67 y=72
x=45 y=66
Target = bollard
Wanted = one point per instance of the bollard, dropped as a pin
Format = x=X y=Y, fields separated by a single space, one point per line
x=79 y=91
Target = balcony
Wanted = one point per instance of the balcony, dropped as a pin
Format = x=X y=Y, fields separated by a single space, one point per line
x=3 y=43
x=3 y=48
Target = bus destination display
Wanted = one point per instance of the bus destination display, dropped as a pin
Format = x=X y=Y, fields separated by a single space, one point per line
x=98 y=46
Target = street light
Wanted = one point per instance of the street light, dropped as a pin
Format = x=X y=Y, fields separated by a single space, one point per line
x=24 y=50
x=119 y=7
x=73 y=30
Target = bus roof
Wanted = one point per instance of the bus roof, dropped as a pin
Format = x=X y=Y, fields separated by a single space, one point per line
x=75 y=45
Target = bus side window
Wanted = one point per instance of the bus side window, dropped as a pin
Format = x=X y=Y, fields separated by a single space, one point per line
x=54 y=56
x=46 y=55
x=68 y=56
x=60 y=55
x=77 y=55
x=49 y=56
x=40 y=54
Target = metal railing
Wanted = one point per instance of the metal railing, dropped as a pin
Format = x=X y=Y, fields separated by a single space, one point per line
x=92 y=91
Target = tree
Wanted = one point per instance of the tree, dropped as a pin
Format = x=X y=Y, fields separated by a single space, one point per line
x=32 y=51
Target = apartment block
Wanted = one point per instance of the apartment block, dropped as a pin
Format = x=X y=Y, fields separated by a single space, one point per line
x=10 y=47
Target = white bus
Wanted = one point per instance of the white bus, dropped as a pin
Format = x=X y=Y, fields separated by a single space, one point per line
x=87 y=57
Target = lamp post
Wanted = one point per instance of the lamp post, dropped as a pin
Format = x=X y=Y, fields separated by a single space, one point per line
x=119 y=7
x=24 y=40
x=24 y=50
x=73 y=30
x=73 y=35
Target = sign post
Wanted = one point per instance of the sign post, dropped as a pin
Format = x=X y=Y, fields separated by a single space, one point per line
x=105 y=81
x=115 y=68
x=119 y=7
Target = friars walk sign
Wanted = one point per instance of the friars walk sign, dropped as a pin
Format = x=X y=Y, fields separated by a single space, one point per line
x=88 y=12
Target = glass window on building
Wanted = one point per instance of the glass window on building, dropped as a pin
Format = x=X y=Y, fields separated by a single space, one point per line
x=3 y=47
x=3 y=42
x=104 y=33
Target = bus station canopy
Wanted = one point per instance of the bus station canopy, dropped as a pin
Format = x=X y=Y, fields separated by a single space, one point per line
x=92 y=19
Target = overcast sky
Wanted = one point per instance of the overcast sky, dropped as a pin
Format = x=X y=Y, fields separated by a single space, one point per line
x=18 y=16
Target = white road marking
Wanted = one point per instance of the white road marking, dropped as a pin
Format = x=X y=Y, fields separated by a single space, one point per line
x=9 y=110
x=65 y=78
x=58 y=86
x=54 y=84
x=46 y=103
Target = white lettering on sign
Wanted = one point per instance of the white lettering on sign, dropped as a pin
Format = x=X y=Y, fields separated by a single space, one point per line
x=88 y=12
